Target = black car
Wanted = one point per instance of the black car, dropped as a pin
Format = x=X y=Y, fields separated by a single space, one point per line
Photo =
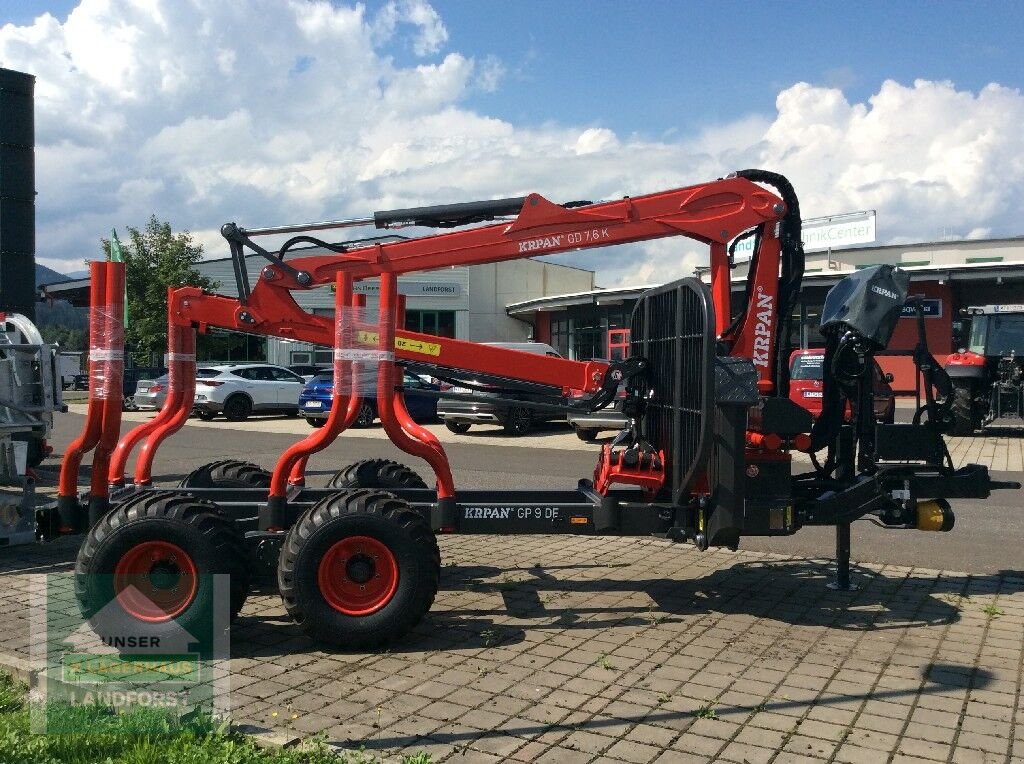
x=307 y=370
x=459 y=415
x=587 y=426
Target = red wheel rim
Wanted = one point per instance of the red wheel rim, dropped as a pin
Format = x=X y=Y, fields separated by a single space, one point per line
x=155 y=581
x=358 y=575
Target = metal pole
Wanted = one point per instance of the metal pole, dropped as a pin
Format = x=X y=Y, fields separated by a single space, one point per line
x=844 y=472
x=842 y=582
x=323 y=225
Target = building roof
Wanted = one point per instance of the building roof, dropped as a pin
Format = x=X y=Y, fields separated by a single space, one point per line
x=961 y=272
x=964 y=272
x=931 y=244
x=593 y=297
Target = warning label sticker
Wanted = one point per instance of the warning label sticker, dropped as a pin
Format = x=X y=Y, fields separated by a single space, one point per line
x=402 y=343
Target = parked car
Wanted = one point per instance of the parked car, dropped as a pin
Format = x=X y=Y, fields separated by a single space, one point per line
x=130 y=380
x=806 y=368
x=241 y=389
x=306 y=370
x=459 y=415
x=588 y=426
x=150 y=394
x=315 y=400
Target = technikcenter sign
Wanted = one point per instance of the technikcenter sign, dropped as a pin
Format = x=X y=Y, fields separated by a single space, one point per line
x=831 y=232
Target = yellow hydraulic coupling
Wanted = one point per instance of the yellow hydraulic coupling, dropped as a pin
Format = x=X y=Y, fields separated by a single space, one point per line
x=935 y=515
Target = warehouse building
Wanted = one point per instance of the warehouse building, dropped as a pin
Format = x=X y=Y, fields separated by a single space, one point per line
x=464 y=302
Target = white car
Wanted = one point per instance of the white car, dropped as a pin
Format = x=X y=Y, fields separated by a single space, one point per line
x=240 y=389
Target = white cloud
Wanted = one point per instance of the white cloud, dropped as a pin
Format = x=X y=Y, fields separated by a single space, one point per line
x=431 y=35
x=927 y=156
x=489 y=74
x=595 y=139
x=170 y=107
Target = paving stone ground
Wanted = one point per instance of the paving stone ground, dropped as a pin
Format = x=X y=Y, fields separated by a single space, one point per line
x=637 y=650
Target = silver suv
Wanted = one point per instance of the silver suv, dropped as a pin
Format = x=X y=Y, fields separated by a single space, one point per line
x=240 y=389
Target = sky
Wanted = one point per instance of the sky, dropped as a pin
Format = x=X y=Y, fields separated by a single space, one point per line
x=268 y=112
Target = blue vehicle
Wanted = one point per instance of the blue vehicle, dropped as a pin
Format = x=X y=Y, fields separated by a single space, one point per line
x=315 y=400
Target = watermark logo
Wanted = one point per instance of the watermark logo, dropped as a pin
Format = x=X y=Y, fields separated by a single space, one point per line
x=127 y=653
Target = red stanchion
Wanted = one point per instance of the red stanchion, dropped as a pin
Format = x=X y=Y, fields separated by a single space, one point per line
x=111 y=391
x=181 y=391
x=67 y=490
x=344 y=403
x=181 y=367
x=398 y=424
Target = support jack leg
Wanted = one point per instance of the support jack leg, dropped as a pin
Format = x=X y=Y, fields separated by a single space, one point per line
x=842 y=580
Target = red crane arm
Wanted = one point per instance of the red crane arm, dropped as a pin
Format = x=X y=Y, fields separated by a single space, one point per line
x=713 y=213
x=284 y=318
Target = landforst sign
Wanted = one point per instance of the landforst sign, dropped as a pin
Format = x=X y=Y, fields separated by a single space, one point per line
x=118 y=662
x=413 y=288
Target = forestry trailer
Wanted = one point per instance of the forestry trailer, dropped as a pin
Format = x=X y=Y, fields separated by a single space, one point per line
x=707 y=456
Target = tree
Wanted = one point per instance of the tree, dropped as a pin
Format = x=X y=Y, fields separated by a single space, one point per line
x=155 y=259
x=67 y=337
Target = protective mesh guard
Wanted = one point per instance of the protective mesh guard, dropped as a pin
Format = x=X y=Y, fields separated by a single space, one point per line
x=672 y=326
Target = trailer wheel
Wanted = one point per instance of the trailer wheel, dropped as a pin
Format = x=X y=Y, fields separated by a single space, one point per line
x=518 y=421
x=459 y=428
x=965 y=421
x=227 y=473
x=376 y=473
x=147 y=565
x=316 y=422
x=359 y=569
x=206 y=416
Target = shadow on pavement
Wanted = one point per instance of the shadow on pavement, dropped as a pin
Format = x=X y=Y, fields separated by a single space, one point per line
x=793 y=592
x=255 y=636
x=936 y=679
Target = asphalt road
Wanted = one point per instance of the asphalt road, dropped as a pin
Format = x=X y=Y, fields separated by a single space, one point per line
x=987 y=538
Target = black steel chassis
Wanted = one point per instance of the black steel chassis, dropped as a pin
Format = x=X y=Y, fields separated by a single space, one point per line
x=583 y=511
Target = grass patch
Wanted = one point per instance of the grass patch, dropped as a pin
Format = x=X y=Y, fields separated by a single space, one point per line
x=992 y=611
x=490 y=637
x=706 y=712
x=141 y=736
